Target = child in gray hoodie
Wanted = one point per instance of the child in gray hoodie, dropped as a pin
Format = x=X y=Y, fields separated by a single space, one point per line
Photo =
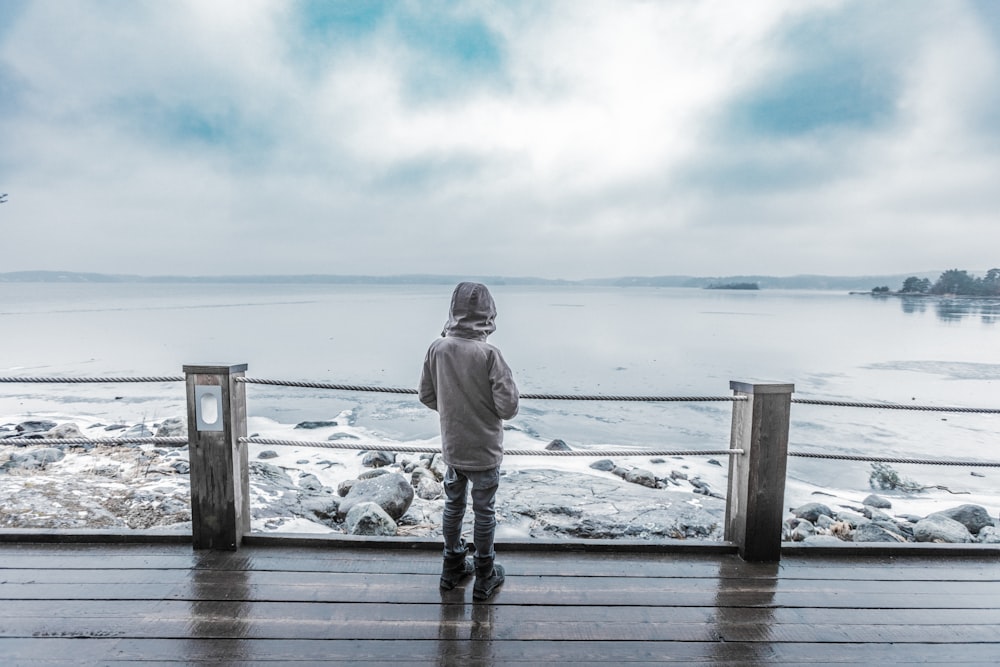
x=467 y=381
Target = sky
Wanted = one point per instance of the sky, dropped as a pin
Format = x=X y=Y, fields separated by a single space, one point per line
x=557 y=139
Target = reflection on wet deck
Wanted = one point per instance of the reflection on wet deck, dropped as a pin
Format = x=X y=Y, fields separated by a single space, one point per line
x=102 y=603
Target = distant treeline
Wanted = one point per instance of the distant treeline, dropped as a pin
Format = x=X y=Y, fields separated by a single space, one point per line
x=953 y=281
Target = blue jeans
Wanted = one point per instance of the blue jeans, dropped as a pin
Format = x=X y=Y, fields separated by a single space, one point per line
x=484 y=491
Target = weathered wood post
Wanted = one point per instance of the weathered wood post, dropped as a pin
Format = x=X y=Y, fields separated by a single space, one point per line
x=755 y=506
x=217 y=419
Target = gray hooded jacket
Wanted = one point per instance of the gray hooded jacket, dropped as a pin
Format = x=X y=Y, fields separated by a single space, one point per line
x=468 y=382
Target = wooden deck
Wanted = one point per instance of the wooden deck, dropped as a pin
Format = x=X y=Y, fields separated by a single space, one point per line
x=161 y=603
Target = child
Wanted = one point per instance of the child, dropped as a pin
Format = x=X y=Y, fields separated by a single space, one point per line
x=470 y=385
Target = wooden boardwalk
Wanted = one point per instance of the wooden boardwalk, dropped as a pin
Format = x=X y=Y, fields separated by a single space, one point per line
x=162 y=603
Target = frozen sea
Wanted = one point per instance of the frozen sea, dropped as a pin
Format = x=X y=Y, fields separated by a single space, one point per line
x=566 y=339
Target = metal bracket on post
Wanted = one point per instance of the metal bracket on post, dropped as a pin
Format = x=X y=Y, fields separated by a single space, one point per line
x=220 y=505
x=755 y=505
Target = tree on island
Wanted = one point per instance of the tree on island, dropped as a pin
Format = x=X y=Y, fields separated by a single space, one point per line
x=955 y=282
x=914 y=285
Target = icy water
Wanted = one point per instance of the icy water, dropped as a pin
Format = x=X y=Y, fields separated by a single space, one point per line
x=659 y=341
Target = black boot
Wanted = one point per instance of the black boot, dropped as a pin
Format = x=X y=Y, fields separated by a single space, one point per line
x=489 y=577
x=455 y=569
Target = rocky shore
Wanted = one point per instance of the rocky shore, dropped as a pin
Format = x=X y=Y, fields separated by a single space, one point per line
x=817 y=523
x=303 y=489
x=362 y=493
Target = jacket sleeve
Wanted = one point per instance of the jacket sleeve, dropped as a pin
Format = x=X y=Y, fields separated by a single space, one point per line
x=505 y=395
x=427 y=392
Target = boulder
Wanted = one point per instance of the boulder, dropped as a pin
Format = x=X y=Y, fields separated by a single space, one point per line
x=803 y=530
x=173 y=427
x=268 y=454
x=47 y=455
x=989 y=535
x=137 y=431
x=391 y=492
x=905 y=531
x=271 y=475
x=312 y=425
x=408 y=464
x=812 y=511
x=558 y=445
x=429 y=488
x=35 y=426
x=853 y=519
x=345 y=487
x=438 y=467
x=65 y=432
x=939 y=528
x=973 y=517
x=35 y=458
x=872 y=532
x=877 y=502
x=419 y=473
x=378 y=459
x=321 y=509
x=369 y=519
x=875 y=514
x=373 y=473
x=310 y=482
x=642 y=477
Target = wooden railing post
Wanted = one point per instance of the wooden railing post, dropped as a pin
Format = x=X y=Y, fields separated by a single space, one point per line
x=756 y=499
x=217 y=419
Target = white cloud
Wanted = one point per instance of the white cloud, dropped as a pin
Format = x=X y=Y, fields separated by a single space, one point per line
x=599 y=148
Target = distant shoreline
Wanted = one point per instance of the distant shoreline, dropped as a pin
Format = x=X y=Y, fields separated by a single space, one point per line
x=815 y=282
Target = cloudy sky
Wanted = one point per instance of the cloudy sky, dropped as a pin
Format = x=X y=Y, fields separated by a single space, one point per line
x=555 y=139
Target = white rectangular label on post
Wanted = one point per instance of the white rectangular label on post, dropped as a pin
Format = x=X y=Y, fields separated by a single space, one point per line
x=208 y=407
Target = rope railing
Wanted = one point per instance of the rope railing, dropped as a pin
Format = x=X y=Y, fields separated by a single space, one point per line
x=93 y=380
x=621 y=398
x=895 y=406
x=414 y=449
x=890 y=459
x=162 y=440
x=529 y=396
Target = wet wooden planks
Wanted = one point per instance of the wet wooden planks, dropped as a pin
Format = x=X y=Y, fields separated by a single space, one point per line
x=80 y=603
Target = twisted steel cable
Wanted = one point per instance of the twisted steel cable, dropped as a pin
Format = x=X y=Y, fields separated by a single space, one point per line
x=888 y=459
x=529 y=396
x=895 y=406
x=549 y=397
x=172 y=440
x=412 y=449
x=82 y=380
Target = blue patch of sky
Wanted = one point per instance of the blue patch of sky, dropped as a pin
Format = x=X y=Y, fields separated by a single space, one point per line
x=12 y=89
x=322 y=27
x=838 y=75
x=185 y=126
x=988 y=15
x=448 y=51
x=10 y=10
x=12 y=86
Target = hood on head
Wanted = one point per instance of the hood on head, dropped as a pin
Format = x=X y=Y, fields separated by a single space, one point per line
x=472 y=312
